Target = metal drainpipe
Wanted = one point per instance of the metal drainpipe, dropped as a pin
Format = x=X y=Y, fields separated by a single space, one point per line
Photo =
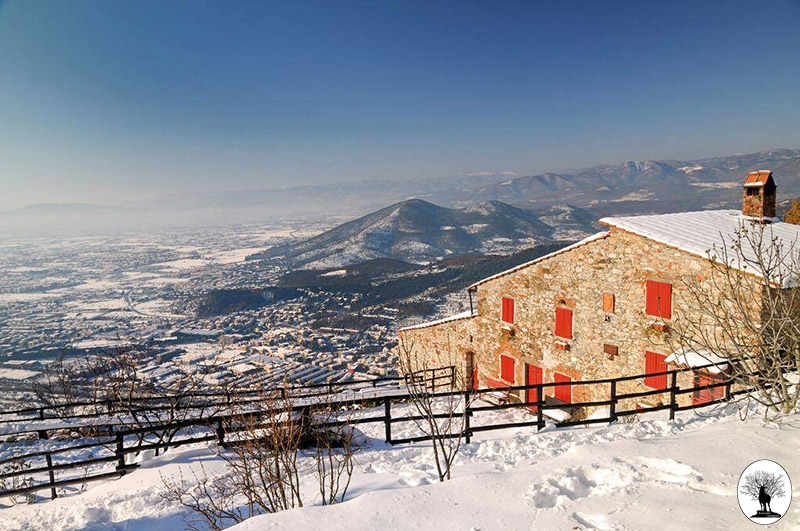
x=471 y=309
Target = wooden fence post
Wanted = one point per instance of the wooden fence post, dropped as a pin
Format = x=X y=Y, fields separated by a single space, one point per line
x=728 y=390
x=452 y=376
x=387 y=418
x=612 y=408
x=672 y=397
x=49 y=459
x=467 y=414
x=220 y=433
x=539 y=404
x=120 y=455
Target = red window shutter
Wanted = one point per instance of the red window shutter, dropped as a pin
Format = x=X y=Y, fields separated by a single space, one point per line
x=654 y=363
x=651 y=307
x=533 y=376
x=665 y=300
x=659 y=299
x=701 y=393
x=564 y=323
x=563 y=392
x=508 y=310
x=507 y=368
x=475 y=377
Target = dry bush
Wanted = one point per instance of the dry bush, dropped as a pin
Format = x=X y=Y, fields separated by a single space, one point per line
x=444 y=415
x=264 y=460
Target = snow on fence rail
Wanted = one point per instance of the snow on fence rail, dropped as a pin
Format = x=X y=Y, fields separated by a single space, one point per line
x=212 y=429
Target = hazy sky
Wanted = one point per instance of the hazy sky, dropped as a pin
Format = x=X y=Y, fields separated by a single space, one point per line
x=107 y=101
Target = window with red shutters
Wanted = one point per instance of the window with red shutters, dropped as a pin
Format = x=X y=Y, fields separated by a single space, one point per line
x=703 y=394
x=507 y=368
x=508 y=310
x=564 y=323
x=654 y=363
x=562 y=392
x=659 y=299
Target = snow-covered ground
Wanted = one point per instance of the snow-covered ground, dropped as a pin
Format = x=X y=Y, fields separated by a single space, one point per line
x=652 y=474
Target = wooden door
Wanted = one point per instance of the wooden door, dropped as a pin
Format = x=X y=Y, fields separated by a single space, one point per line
x=533 y=376
x=563 y=392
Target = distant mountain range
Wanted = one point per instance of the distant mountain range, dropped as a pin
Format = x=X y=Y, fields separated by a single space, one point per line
x=417 y=231
x=640 y=186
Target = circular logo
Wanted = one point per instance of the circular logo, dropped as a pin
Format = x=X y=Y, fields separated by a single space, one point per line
x=764 y=492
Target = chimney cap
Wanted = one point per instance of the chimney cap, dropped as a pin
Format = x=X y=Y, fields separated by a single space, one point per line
x=758 y=178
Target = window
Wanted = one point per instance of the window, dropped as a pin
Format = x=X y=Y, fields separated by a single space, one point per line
x=654 y=363
x=507 y=368
x=752 y=191
x=608 y=302
x=703 y=394
x=508 y=310
x=562 y=392
x=564 y=323
x=659 y=299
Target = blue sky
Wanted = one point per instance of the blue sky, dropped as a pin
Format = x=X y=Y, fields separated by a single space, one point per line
x=107 y=101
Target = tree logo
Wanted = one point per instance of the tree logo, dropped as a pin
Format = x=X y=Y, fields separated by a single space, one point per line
x=764 y=492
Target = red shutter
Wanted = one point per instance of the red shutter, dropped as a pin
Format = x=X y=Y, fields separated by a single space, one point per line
x=665 y=300
x=533 y=376
x=659 y=299
x=507 y=368
x=702 y=394
x=475 y=376
x=564 y=323
x=508 y=310
x=654 y=363
x=651 y=307
x=563 y=392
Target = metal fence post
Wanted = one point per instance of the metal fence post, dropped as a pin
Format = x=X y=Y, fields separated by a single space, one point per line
x=539 y=404
x=467 y=414
x=220 y=433
x=612 y=408
x=672 y=397
x=49 y=459
x=120 y=455
x=387 y=418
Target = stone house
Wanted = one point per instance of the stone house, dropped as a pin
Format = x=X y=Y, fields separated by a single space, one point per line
x=599 y=308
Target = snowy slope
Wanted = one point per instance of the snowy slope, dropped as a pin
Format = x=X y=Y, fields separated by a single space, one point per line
x=653 y=474
x=418 y=232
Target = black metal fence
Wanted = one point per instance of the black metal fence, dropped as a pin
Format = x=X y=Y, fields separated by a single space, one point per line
x=114 y=442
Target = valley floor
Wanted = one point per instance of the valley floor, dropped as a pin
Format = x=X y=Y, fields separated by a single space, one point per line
x=652 y=474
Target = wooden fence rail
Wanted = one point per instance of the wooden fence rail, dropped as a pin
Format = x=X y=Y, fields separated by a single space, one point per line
x=211 y=429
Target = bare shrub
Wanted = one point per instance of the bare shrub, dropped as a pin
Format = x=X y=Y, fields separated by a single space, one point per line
x=262 y=452
x=444 y=414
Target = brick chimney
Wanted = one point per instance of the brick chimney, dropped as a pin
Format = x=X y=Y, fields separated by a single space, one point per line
x=759 y=195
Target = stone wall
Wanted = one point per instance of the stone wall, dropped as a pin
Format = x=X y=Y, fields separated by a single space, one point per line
x=619 y=264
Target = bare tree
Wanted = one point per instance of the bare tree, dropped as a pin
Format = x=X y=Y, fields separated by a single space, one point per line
x=443 y=415
x=772 y=484
x=336 y=443
x=746 y=314
x=264 y=461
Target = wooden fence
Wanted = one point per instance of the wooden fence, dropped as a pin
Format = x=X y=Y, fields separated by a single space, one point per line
x=119 y=441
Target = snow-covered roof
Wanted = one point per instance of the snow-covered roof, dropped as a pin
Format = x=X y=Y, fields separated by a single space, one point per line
x=699 y=233
x=692 y=358
x=456 y=317
x=593 y=237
